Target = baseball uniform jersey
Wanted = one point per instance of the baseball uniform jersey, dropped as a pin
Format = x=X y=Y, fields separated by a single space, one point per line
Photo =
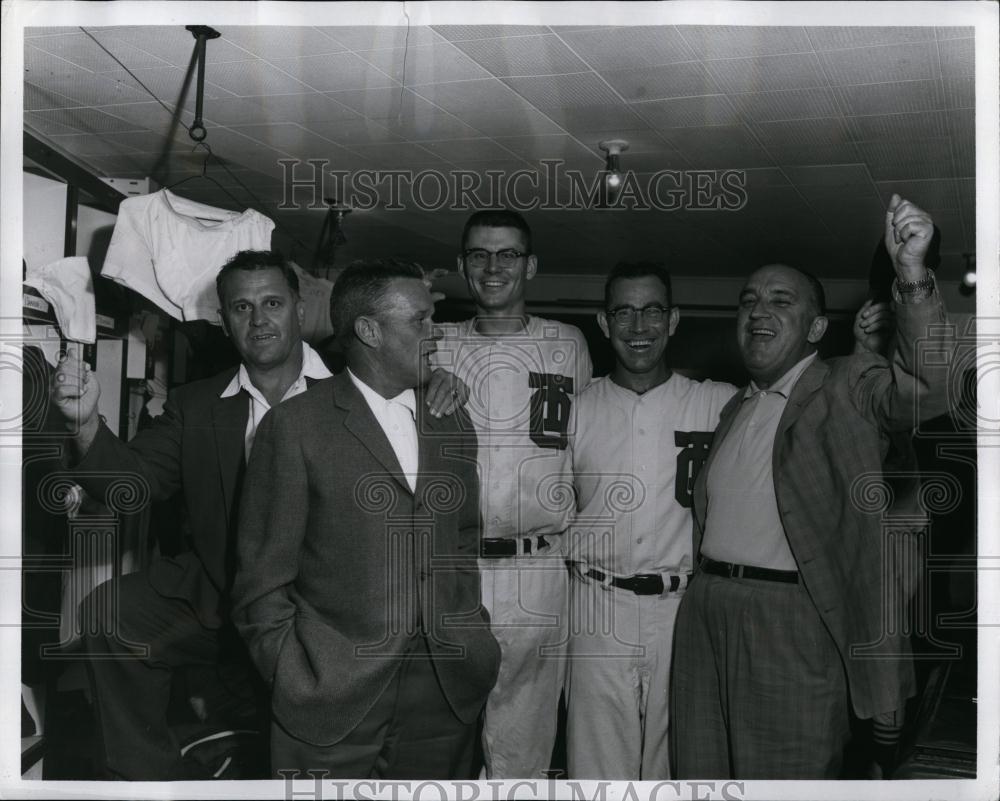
x=635 y=458
x=523 y=388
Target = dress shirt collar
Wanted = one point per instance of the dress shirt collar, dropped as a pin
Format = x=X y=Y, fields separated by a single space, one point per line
x=312 y=367
x=405 y=398
x=784 y=385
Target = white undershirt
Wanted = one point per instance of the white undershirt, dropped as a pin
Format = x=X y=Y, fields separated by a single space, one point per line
x=397 y=417
x=312 y=367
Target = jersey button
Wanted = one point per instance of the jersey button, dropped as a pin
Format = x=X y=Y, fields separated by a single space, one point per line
x=638 y=540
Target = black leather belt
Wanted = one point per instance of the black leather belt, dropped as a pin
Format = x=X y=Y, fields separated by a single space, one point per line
x=499 y=547
x=640 y=583
x=729 y=570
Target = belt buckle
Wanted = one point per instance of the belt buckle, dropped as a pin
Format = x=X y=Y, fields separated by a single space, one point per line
x=647 y=584
x=735 y=571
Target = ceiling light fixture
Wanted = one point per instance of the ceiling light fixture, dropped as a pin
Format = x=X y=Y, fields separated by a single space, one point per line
x=968 y=285
x=612 y=165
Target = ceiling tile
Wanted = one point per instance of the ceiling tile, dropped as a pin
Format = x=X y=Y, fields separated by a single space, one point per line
x=893 y=98
x=933 y=194
x=253 y=78
x=955 y=32
x=302 y=108
x=820 y=154
x=628 y=47
x=397 y=155
x=922 y=125
x=838 y=38
x=462 y=151
x=429 y=124
x=274 y=41
x=231 y=111
x=166 y=83
x=38 y=30
x=604 y=117
x=352 y=132
x=792 y=104
x=150 y=141
x=930 y=158
x=380 y=104
x=35 y=97
x=688 y=112
x=290 y=138
x=960 y=93
x=509 y=122
x=523 y=55
x=428 y=64
x=461 y=33
x=175 y=45
x=381 y=37
x=685 y=79
x=905 y=62
x=800 y=133
x=718 y=146
x=82 y=50
x=725 y=41
x=148 y=114
x=767 y=73
x=91 y=145
x=331 y=72
x=43 y=124
x=89 y=89
x=563 y=91
x=840 y=177
x=557 y=146
x=84 y=120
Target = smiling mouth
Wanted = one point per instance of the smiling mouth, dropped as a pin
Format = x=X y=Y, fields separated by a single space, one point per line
x=763 y=332
x=263 y=337
x=494 y=284
x=639 y=345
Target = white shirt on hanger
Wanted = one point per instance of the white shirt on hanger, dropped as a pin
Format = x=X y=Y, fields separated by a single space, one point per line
x=169 y=250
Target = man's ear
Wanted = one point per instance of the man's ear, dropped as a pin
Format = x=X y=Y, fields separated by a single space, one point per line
x=817 y=329
x=602 y=321
x=368 y=330
x=531 y=267
x=672 y=320
x=300 y=311
x=222 y=322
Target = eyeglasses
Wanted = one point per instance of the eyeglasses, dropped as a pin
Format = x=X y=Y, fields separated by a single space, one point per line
x=480 y=257
x=624 y=315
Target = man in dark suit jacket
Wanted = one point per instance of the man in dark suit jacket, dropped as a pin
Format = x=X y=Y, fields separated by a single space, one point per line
x=151 y=623
x=781 y=630
x=357 y=587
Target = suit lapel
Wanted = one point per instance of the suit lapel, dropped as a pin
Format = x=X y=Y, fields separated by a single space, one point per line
x=362 y=424
x=229 y=424
x=807 y=385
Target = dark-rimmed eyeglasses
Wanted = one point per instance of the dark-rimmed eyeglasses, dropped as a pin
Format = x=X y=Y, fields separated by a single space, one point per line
x=653 y=313
x=480 y=257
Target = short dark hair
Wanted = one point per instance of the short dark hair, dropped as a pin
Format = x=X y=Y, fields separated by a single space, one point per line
x=359 y=290
x=257 y=260
x=497 y=218
x=818 y=293
x=638 y=269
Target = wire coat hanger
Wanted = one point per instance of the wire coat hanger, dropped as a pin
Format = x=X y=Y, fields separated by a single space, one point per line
x=204 y=174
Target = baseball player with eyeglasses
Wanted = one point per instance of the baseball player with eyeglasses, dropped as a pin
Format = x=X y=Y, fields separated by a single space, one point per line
x=523 y=374
x=642 y=432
